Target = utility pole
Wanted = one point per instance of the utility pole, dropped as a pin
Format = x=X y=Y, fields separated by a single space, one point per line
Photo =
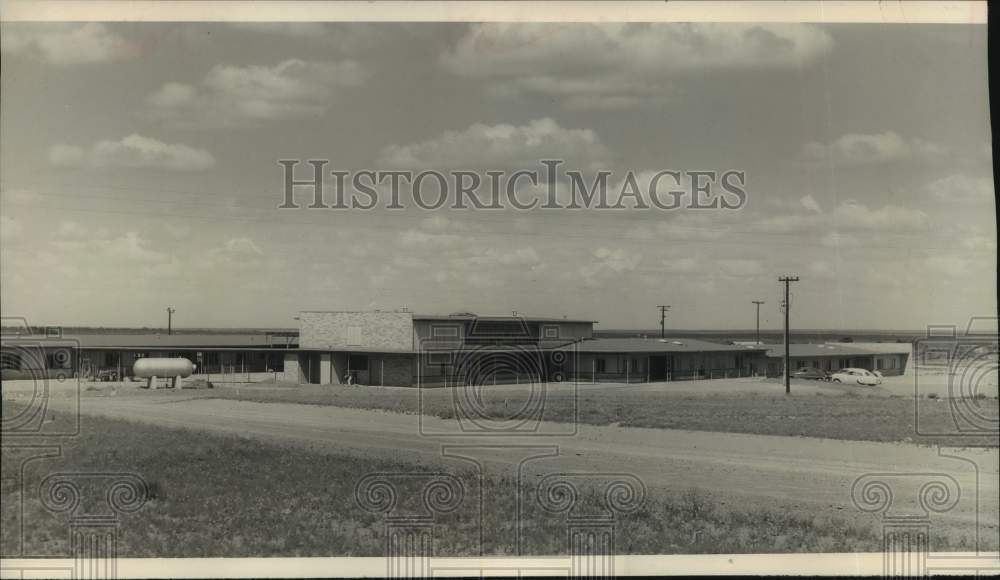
x=788 y=307
x=758 y=303
x=663 y=319
x=170 y=316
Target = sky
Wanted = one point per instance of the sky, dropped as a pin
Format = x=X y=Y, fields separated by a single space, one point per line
x=139 y=167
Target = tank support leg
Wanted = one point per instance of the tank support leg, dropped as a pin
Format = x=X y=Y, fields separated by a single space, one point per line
x=176 y=382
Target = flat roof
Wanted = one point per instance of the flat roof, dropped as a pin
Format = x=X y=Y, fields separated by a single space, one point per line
x=178 y=341
x=829 y=349
x=492 y=317
x=458 y=316
x=673 y=345
x=881 y=347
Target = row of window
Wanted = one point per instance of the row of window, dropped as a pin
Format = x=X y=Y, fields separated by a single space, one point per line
x=624 y=365
x=891 y=363
x=451 y=331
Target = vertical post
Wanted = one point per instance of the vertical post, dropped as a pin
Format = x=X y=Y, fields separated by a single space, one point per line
x=170 y=317
x=663 y=318
x=758 y=303
x=788 y=371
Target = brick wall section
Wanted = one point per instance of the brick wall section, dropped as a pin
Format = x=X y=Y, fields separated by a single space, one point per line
x=382 y=331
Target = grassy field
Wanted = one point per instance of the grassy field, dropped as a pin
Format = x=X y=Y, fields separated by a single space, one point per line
x=856 y=417
x=225 y=496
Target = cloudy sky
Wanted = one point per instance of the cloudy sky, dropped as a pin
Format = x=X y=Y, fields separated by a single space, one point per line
x=139 y=170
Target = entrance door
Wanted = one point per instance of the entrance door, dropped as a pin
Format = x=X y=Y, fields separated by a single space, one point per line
x=657 y=368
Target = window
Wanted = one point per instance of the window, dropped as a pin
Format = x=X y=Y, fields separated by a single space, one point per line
x=353 y=336
x=600 y=365
x=635 y=365
x=878 y=364
x=800 y=364
x=828 y=364
x=551 y=332
x=444 y=331
x=357 y=362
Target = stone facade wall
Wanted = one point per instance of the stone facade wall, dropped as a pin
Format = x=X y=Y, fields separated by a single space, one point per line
x=381 y=331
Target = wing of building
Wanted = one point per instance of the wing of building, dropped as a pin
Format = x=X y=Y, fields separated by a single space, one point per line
x=406 y=349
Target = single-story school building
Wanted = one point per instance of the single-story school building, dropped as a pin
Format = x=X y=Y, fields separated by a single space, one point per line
x=406 y=349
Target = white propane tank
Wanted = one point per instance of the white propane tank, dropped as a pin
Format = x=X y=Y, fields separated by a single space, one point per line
x=162 y=367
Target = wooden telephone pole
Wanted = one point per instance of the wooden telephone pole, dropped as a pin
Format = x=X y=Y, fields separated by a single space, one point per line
x=758 y=303
x=663 y=319
x=788 y=307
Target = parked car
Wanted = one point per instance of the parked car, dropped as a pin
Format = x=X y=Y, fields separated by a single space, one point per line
x=812 y=373
x=106 y=375
x=857 y=376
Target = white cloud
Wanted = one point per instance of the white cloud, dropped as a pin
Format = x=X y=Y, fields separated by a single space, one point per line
x=980 y=243
x=73 y=230
x=66 y=44
x=810 y=203
x=960 y=188
x=299 y=29
x=500 y=146
x=519 y=257
x=839 y=240
x=131 y=247
x=850 y=216
x=853 y=215
x=239 y=253
x=740 y=268
x=608 y=262
x=9 y=228
x=821 y=270
x=236 y=96
x=614 y=66
x=178 y=231
x=134 y=151
x=679 y=265
x=856 y=149
x=416 y=238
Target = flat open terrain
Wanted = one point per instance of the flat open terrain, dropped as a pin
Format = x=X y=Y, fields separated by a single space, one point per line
x=799 y=477
x=886 y=413
x=222 y=495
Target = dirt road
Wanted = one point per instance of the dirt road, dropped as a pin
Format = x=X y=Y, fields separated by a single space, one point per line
x=813 y=477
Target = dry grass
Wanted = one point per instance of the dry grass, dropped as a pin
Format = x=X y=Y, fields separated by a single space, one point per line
x=856 y=417
x=227 y=496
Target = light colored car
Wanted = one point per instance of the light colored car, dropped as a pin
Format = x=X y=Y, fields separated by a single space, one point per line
x=858 y=376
